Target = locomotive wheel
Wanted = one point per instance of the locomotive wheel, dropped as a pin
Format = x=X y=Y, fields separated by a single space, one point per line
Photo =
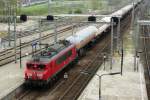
x=47 y=84
x=26 y=85
x=55 y=78
x=29 y=85
x=50 y=83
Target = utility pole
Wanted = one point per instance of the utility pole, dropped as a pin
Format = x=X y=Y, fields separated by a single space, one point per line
x=118 y=35
x=100 y=78
x=132 y=30
x=9 y=22
x=40 y=34
x=49 y=2
x=143 y=23
x=55 y=32
x=20 y=51
x=137 y=35
x=122 y=55
x=15 y=38
x=112 y=49
x=73 y=29
x=29 y=2
x=137 y=47
x=104 y=59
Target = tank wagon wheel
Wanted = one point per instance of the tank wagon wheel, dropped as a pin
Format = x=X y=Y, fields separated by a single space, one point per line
x=89 y=46
x=82 y=52
x=93 y=42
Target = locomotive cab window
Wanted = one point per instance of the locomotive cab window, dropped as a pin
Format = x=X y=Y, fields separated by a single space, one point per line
x=30 y=66
x=41 y=66
x=61 y=59
x=68 y=54
x=64 y=57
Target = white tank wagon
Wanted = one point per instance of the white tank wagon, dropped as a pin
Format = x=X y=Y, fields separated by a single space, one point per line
x=123 y=11
x=120 y=13
x=83 y=37
x=102 y=29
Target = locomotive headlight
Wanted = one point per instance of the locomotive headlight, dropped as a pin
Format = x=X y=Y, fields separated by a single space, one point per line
x=29 y=75
x=40 y=76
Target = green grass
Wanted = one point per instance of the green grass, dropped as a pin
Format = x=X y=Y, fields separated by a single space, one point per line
x=35 y=10
x=59 y=8
x=42 y=9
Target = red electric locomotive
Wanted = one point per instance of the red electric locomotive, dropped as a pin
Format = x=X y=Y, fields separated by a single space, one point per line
x=46 y=64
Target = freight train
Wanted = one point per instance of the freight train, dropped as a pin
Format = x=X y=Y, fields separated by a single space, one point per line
x=49 y=62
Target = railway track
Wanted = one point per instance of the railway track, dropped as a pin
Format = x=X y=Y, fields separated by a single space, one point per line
x=71 y=88
x=146 y=61
x=78 y=85
x=74 y=85
x=73 y=92
x=36 y=28
x=9 y=54
x=76 y=80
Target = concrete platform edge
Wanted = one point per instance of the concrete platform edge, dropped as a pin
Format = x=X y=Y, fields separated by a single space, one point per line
x=15 y=93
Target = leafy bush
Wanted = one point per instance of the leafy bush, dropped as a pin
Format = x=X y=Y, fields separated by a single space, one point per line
x=78 y=11
x=70 y=12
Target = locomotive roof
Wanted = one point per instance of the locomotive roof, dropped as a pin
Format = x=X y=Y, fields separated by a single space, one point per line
x=49 y=52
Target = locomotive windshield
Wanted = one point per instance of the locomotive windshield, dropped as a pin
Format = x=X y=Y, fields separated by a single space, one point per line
x=36 y=66
x=30 y=66
x=41 y=66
